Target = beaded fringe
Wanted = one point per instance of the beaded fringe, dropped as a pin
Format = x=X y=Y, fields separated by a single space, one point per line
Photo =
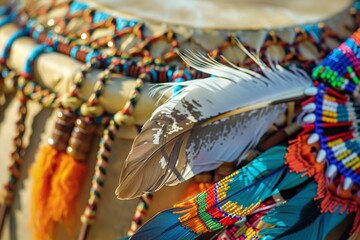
x=297 y=162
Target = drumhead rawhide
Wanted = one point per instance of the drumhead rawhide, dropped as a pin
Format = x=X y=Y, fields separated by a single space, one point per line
x=226 y=15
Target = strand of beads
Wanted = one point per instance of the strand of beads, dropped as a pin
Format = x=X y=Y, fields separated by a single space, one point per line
x=127 y=65
x=16 y=156
x=332 y=119
x=41 y=95
x=123 y=117
x=140 y=212
x=61 y=40
x=80 y=144
x=341 y=68
x=16 y=160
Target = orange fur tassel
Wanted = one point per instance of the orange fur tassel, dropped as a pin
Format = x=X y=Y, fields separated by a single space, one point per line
x=65 y=188
x=42 y=172
x=50 y=158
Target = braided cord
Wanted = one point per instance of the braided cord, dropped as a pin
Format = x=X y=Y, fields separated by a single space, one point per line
x=17 y=153
x=103 y=155
x=140 y=212
x=24 y=87
x=41 y=95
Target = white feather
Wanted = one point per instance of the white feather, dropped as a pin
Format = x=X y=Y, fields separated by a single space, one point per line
x=208 y=122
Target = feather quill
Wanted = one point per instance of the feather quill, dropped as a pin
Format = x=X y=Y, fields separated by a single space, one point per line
x=208 y=122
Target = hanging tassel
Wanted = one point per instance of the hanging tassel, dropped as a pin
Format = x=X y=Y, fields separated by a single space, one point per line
x=65 y=188
x=70 y=175
x=49 y=161
x=42 y=172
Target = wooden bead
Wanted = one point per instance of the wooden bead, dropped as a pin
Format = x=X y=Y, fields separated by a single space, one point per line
x=81 y=123
x=80 y=142
x=78 y=155
x=60 y=146
x=67 y=116
x=80 y=145
x=64 y=126
x=62 y=130
x=59 y=136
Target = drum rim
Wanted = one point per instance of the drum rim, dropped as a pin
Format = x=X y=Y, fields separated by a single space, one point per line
x=170 y=25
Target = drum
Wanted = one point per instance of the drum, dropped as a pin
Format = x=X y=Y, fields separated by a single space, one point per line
x=140 y=39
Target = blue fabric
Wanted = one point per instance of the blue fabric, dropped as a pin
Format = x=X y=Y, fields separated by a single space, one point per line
x=300 y=218
x=263 y=177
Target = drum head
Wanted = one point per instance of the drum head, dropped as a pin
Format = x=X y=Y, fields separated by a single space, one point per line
x=227 y=14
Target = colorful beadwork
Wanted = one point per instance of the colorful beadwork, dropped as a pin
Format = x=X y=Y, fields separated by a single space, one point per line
x=17 y=153
x=209 y=213
x=82 y=46
x=140 y=212
x=248 y=229
x=123 y=117
x=331 y=120
x=341 y=68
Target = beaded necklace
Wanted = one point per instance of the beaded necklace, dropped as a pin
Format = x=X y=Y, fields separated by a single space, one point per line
x=331 y=127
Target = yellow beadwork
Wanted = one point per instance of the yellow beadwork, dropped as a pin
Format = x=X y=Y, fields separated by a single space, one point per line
x=329 y=98
x=250 y=233
x=352 y=162
x=335 y=142
x=329 y=113
x=329 y=120
x=356 y=166
x=234 y=209
x=343 y=155
x=240 y=231
x=223 y=186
